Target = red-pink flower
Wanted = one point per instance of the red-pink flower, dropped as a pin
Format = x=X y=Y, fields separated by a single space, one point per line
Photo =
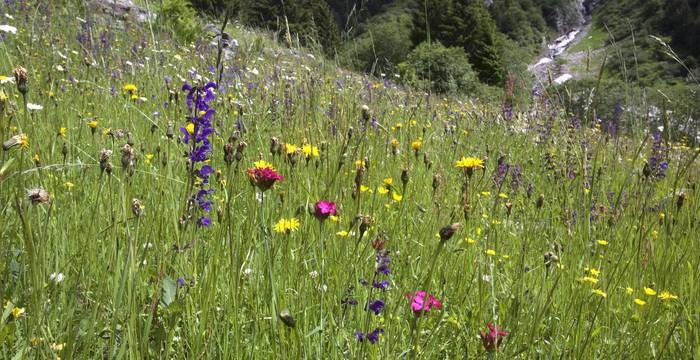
x=324 y=209
x=420 y=304
x=493 y=339
x=263 y=178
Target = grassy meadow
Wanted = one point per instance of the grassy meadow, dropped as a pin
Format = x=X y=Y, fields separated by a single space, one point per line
x=136 y=223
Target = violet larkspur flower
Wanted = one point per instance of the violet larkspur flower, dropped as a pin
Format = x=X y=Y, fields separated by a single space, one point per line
x=493 y=339
x=324 y=209
x=196 y=134
x=372 y=336
x=375 y=306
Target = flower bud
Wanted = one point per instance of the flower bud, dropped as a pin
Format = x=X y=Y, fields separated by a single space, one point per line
x=287 y=319
x=21 y=79
x=448 y=231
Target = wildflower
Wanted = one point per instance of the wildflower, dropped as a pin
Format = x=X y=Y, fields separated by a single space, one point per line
x=17 y=312
x=324 y=209
x=396 y=196
x=419 y=304
x=68 y=185
x=649 y=291
x=136 y=207
x=640 y=302
x=93 y=125
x=492 y=340
x=309 y=151
x=589 y=279
x=286 y=226
x=382 y=190
x=388 y=182
x=469 y=163
x=263 y=176
x=57 y=347
x=290 y=149
x=491 y=252
x=32 y=107
x=629 y=290
x=343 y=233
x=372 y=336
x=130 y=88
x=38 y=196
x=602 y=242
x=375 y=306
x=600 y=293
x=665 y=295
x=61 y=132
x=417 y=144
x=56 y=277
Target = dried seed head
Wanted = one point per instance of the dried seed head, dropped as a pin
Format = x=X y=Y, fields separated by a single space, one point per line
x=404 y=177
x=681 y=200
x=437 y=180
x=136 y=207
x=274 y=145
x=448 y=231
x=287 y=318
x=170 y=132
x=228 y=153
x=21 y=77
x=366 y=115
x=379 y=243
x=549 y=258
x=38 y=196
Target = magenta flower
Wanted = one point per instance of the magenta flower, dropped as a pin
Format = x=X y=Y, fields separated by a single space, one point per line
x=324 y=209
x=420 y=304
x=263 y=178
x=493 y=339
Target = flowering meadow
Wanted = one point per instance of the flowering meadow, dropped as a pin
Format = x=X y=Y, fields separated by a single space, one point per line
x=237 y=199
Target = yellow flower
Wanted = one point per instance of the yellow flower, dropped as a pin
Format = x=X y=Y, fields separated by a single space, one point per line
x=106 y=131
x=23 y=141
x=649 y=291
x=600 y=293
x=629 y=290
x=593 y=271
x=68 y=185
x=665 y=295
x=396 y=196
x=416 y=145
x=469 y=163
x=57 y=347
x=334 y=218
x=589 y=279
x=309 y=151
x=485 y=193
x=602 y=242
x=502 y=196
x=343 y=233
x=364 y=188
x=17 y=312
x=382 y=190
x=36 y=158
x=640 y=302
x=149 y=157
x=61 y=131
x=359 y=163
x=134 y=97
x=130 y=88
x=290 y=149
x=490 y=252
x=394 y=142
x=92 y=124
x=388 y=182
x=285 y=226
x=190 y=128
x=470 y=240
x=262 y=164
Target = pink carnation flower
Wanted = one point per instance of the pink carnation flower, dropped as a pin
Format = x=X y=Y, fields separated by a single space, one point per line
x=419 y=303
x=324 y=209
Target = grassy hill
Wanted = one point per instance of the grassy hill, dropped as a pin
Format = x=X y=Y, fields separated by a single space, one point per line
x=153 y=205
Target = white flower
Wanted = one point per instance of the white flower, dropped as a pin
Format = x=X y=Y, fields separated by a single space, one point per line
x=8 y=28
x=31 y=106
x=313 y=274
x=56 y=277
x=6 y=79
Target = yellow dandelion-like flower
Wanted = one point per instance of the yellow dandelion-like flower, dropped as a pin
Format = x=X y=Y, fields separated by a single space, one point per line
x=262 y=164
x=600 y=293
x=470 y=241
x=603 y=242
x=68 y=185
x=343 y=233
x=589 y=279
x=62 y=131
x=334 y=218
x=190 y=128
x=106 y=131
x=593 y=271
x=285 y=226
x=502 y=196
x=364 y=188
x=490 y=252
x=640 y=302
x=290 y=149
x=665 y=295
x=649 y=291
x=485 y=193
x=388 y=182
x=309 y=151
x=92 y=124
x=134 y=97
x=130 y=88
x=469 y=163
x=17 y=312
x=23 y=141
x=382 y=190
x=394 y=142
x=417 y=144
x=396 y=196
x=36 y=158
x=359 y=163
x=629 y=290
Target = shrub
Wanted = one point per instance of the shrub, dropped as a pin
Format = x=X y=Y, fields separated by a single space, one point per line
x=181 y=18
x=443 y=69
